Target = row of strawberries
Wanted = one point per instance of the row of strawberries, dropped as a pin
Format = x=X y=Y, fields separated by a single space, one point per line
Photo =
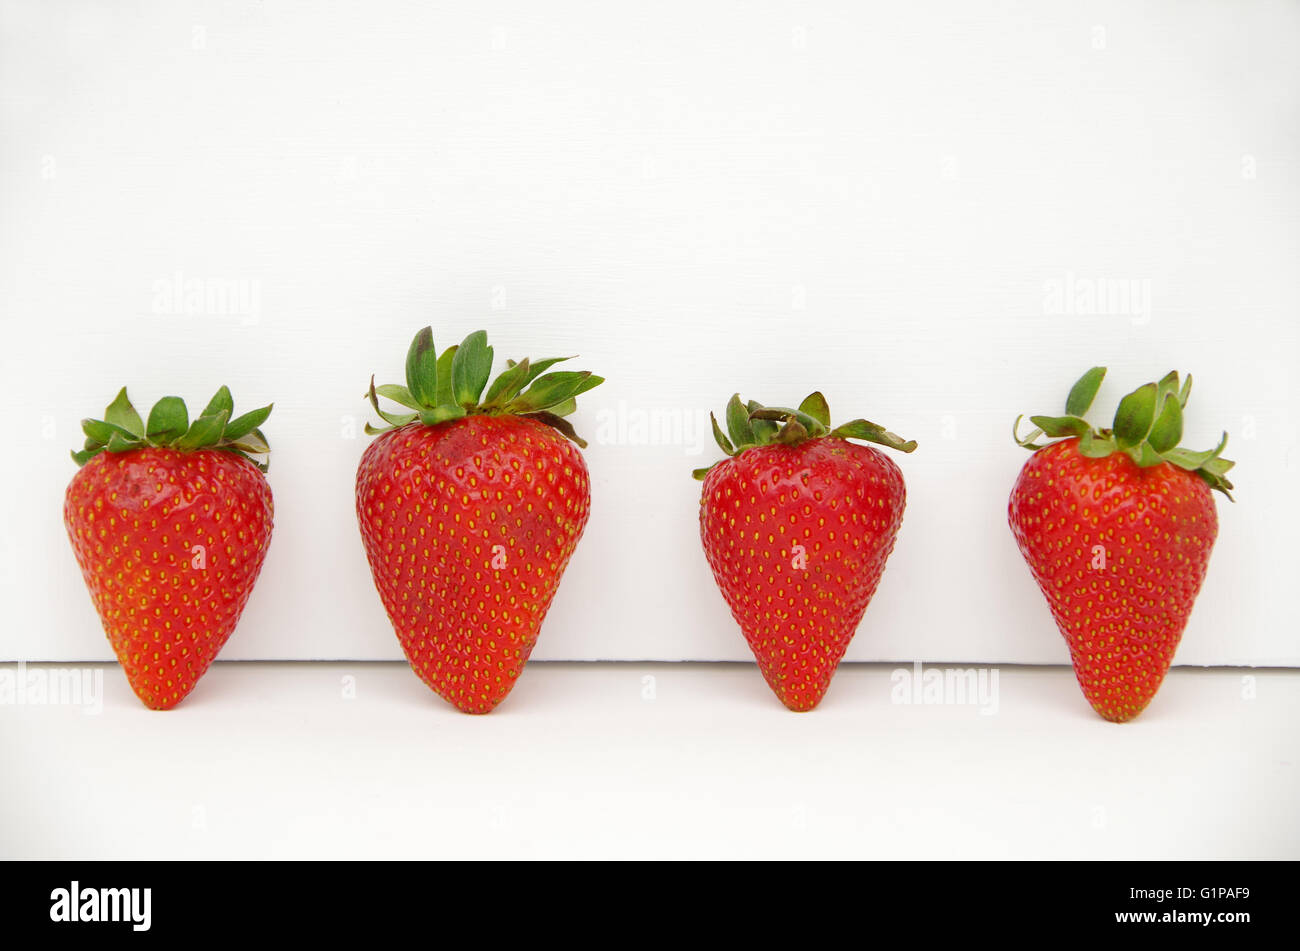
x=474 y=496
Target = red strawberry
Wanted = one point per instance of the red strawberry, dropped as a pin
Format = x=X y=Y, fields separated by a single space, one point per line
x=797 y=526
x=1117 y=527
x=470 y=510
x=170 y=523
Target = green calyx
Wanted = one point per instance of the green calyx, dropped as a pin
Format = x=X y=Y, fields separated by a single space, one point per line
x=169 y=427
x=1148 y=425
x=751 y=424
x=451 y=386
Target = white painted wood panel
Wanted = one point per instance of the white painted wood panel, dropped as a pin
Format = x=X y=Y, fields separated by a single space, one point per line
x=906 y=205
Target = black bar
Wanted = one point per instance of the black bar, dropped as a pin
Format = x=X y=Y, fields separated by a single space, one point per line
x=959 y=899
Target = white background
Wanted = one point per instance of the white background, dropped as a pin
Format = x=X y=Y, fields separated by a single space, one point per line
x=883 y=202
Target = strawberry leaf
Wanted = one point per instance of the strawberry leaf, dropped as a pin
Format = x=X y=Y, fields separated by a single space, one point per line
x=392 y=419
x=204 y=431
x=445 y=393
x=554 y=388
x=723 y=443
x=120 y=443
x=1186 y=459
x=1026 y=442
x=220 y=400
x=1218 y=465
x=814 y=405
x=470 y=369
x=1094 y=446
x=1144 y=455
x=122 y=414
x=1168 y=427
x=541 y=366
x=560 y=423
x=1167 y=386
x=168 y=420
x=507 y=386
x=422 y=368
x=169 y=427
x=440 y=414
x=101 y=432
x=873 y=432
x=764 y=429
x=253 y=442
x=447 y=387
x=753 y=425
x=398 y=394
x=782 y=413
x=247 y=423
x=1135 y=415
x=564 y=408
x=1084 y=392
x=1058 y=426
x=792 y=433
x=1147 y=427
x=738 y=426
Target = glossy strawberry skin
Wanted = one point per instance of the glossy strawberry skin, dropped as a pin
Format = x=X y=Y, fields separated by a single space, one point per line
x=1120 y=552
x=170 y=544
x=468 y=526
x=798 y=609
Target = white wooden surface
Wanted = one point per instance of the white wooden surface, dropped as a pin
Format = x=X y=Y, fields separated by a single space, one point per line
x=653 y=761
x=910 y=206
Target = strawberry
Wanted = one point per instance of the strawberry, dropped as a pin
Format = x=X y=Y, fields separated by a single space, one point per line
x=170 y=523
x=797 y=524
x=1117 y=527
x=470 y=507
